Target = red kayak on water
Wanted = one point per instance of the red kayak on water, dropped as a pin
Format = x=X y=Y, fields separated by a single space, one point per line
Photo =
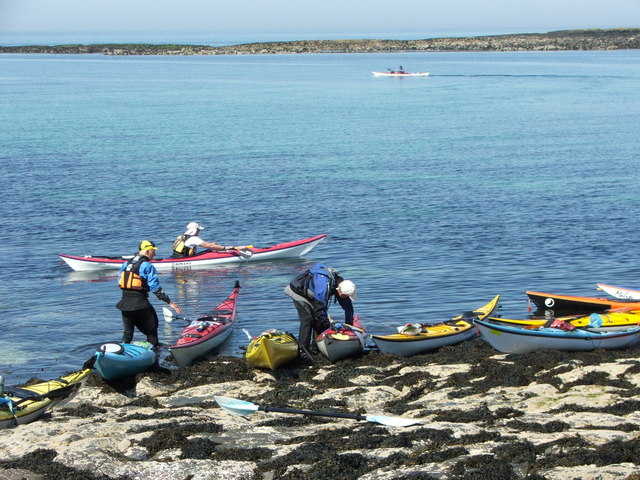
x=297 y=248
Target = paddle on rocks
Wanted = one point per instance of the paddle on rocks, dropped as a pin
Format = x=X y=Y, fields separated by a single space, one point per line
x=242 y=408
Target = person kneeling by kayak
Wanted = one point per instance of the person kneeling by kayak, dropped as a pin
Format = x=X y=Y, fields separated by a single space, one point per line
x=137 y=278
x=312 y=291
x=186 y=244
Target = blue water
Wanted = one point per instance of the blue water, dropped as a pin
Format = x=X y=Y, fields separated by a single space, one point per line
x=498 y=173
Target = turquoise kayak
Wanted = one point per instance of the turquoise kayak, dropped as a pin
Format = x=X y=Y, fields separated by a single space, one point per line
x=117 y=360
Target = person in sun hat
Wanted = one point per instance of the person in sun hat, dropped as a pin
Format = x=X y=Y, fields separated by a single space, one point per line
x=137 y=278
x=186 y=244
x=312 y=292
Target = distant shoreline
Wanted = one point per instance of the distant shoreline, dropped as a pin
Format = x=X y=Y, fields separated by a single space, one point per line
x=609 y=39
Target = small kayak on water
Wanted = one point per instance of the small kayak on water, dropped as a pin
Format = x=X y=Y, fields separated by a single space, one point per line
x=399 y=74
x=292 y=249
x=206 y=333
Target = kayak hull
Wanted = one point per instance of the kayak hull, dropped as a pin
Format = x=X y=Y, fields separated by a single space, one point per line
x=606 y=319
x=512 y=339
x=30 y=403
x=298 y=248
x=207 y=333
x=620 y=292
x=272 y=349
x=344 y=342
x=573 y=304
x=118 y=360
x=396 y=74
x=432 y=337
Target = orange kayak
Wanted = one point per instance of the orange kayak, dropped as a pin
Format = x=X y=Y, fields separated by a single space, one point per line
x=573 y=304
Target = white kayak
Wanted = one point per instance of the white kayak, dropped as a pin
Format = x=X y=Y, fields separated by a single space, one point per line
x=619 y=292
x=398 y=74
x=514 y=339
x=89 y=263
x=342 y=340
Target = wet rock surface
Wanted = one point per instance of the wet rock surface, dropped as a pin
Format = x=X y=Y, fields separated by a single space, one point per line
x=596 y=39
x=485 y=415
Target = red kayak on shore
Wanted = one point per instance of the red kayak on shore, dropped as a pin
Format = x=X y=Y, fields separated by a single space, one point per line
x=297 y=248
x=208 y=332
x=341 y=340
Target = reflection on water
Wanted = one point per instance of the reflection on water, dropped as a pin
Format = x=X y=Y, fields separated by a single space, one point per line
x=73 y=277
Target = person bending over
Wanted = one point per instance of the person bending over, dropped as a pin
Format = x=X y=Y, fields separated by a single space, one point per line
x=312 y=292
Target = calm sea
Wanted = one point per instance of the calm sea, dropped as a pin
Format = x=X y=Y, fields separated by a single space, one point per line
x=499 y=172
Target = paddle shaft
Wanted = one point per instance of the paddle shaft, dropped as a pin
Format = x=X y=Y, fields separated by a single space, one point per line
x=353 y=416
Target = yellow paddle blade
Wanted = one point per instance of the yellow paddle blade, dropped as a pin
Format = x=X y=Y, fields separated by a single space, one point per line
x=340 y=336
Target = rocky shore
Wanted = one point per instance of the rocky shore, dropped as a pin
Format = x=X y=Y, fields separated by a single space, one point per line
x=545 y=415
x=612 y=39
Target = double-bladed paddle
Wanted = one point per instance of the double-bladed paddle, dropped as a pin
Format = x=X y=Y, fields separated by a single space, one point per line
x=169 y=315
x=242 y=408
x=244 y=251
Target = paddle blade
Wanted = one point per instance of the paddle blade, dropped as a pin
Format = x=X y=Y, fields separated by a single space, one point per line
x=168 y=314
x=392 y=421
x=89 y=363
x=244 y=252
x=236 y=407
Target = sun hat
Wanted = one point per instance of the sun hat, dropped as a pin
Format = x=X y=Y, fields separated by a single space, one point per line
x=192 y=228
x=147 y=245
x=348 y=288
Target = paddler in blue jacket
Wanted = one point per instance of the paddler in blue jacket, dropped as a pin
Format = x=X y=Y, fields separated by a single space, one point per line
x=137 y=278
x=312 y=292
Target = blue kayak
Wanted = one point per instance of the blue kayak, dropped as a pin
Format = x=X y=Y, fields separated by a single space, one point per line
x=116 y=360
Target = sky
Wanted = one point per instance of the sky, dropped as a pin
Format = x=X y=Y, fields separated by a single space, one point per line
x=506 y=16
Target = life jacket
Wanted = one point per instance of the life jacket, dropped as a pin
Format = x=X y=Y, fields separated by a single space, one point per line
x=130 y=278
x=317 y=284
x=179 y=247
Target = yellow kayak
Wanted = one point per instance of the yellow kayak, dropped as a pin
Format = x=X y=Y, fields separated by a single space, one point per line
x=22 y=405
x=415 y=338
x=272 y=349
x=604 y=319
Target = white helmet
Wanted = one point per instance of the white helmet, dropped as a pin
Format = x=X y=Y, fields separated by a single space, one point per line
x=192 y=228
x=348 y=288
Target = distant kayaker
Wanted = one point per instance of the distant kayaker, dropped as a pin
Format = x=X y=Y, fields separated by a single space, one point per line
x=401 y=69
x=137 y=278
x=186 y=245
x=312 y=292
